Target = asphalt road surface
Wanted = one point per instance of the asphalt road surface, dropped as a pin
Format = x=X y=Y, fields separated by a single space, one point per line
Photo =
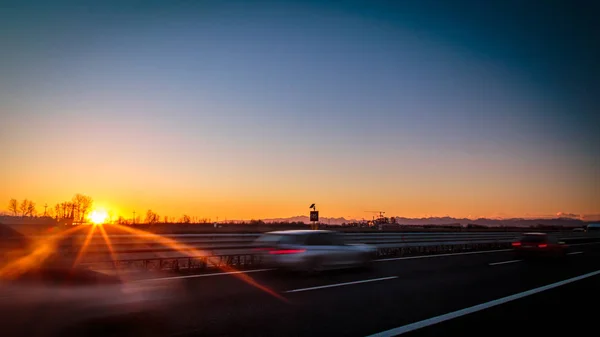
x=395 y=294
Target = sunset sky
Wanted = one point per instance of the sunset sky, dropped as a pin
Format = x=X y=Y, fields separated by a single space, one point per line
x=240 y=111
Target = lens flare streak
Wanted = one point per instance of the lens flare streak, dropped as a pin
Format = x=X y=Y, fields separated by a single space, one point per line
x=47 y=246
x=83 y=248
x=109 y=245
x=195 y=253
x=44 y=248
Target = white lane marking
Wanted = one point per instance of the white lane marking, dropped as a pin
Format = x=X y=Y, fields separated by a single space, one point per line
x=582 y=244
x=504 y=262
x=440 y=255
x=455 y=314
x=574 y=253
x=204 y=275
x=341 y=284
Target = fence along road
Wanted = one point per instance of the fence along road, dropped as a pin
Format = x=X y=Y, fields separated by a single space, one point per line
x=210 y=250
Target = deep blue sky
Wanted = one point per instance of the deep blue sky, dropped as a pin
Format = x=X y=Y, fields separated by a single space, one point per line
x=496 y=102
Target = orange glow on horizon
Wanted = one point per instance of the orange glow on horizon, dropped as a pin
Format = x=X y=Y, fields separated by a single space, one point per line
x=469 y=202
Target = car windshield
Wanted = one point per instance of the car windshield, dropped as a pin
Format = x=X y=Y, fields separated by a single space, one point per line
x=324 y=239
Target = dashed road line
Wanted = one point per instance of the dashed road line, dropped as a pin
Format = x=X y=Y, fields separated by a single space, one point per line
x=583 y=244
x=441 y=255
x=204 y=275
x=341 y=284
x=504 y=262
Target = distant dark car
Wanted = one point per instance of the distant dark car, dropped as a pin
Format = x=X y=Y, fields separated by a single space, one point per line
x=532 y=245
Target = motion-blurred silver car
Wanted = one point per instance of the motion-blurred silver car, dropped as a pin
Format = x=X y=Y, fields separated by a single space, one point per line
x=312 y=250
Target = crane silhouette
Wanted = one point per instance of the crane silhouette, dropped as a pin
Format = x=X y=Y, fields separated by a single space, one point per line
x=381 y=213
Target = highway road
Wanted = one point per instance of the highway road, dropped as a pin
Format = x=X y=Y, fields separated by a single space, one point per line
x=560 y=311
x=396 y=293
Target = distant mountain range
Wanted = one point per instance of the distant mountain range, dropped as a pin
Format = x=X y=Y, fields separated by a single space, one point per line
x=513 y=222
x=567 y=220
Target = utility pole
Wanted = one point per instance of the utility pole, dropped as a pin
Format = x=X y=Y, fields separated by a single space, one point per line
x=45 y=207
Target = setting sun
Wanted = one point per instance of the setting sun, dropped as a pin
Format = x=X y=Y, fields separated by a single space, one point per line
x=98 y=216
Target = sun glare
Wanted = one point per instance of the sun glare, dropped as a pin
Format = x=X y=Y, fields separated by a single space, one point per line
x=98 y=217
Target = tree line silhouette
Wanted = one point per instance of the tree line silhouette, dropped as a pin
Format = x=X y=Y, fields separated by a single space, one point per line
x=75 y=210
x=79 y=207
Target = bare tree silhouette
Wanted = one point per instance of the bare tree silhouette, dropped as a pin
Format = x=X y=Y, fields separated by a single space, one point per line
x=82 y=205
x=185 y=219
x=75 y=210
x=62 y=210
x=13 y=206
x=31 y=211
x=152 y=217
x=23 y=207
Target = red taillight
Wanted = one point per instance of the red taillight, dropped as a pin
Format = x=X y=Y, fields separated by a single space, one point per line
x=516 y=244
x=287 y=251
x=542 y=245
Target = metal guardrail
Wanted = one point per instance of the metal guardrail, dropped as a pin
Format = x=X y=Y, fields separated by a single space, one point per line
x=212 y=244
x=216 y=250
x=236 y=241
